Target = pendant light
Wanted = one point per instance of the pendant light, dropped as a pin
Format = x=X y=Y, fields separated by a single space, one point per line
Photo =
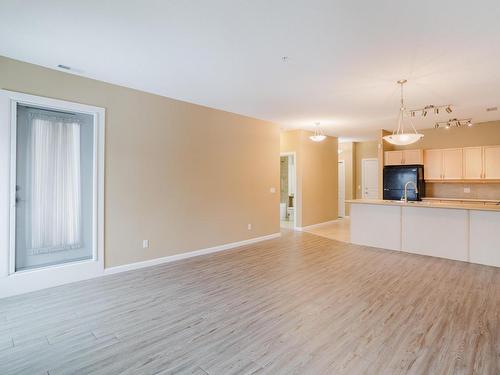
x=398 y=136
x=318 y=134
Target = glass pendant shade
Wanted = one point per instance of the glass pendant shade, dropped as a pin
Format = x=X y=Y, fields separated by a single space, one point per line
x=317 y=138
x=318 y=134
x=403 y=139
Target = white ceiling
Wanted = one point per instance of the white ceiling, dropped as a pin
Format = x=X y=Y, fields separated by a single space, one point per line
x=343 y=56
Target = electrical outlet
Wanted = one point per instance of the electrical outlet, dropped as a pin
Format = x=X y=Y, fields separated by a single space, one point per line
x=272 y=190
x=145 y=244
x=249 y=226
x=467 y=190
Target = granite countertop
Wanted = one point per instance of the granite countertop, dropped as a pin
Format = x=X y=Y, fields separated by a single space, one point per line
x=430 y=204
x=461 y=199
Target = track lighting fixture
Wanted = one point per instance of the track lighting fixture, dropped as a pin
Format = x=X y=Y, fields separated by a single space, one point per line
x=437 y=109
x=454 y=122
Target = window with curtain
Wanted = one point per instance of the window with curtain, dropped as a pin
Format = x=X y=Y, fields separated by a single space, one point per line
x=53 y=204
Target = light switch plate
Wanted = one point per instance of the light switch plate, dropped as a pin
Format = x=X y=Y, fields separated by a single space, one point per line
x=467 y=190
x=249 y=226
x=145 y=244
x=272 y=190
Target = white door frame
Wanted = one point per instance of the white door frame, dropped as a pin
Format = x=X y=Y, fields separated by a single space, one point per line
x=343 y=203
x=12 y=282
x=363 y=174
x=296 y=200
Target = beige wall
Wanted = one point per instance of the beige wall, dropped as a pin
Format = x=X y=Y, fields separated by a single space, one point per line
x=347 y=154
x=364 y=150
x=183 y=176
x=317 y=176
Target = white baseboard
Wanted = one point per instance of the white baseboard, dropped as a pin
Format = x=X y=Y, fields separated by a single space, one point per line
x=21 y=283
x=315 y=225
x=173 y=258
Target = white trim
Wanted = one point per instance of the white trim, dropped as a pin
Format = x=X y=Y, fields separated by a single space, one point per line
x=317 y=225
x=12 y=201
x=295 y=213
x=20 y=282
x=173 y=258
x=343 y=178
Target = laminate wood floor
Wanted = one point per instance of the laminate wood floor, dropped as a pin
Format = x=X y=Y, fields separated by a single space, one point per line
x=339 y=230
x=301 y=304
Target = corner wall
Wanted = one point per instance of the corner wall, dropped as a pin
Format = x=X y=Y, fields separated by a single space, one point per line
x=347 y=154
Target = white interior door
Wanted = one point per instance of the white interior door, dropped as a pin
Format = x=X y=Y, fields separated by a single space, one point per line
x=369 y=170
x=341 y=180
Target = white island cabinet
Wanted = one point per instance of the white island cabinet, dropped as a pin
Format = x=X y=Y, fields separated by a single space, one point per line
x=462 y=232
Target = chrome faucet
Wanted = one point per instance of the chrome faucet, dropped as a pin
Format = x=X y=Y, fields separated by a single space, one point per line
x=405 y=197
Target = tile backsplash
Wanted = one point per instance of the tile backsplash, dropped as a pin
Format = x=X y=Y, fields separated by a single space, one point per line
x=455 y=190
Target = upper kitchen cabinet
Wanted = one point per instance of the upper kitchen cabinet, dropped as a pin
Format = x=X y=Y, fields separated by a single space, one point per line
x=413 y=156
x=433 y=164
x=452 y=164
x=443 y=164
x=491 y=162
x=405 y=157
x=473 y=163
x=393 y=158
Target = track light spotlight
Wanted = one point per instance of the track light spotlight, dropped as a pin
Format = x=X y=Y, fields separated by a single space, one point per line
x=469 y=123
x=448 y=109
x=436 y=110
x=436 y=126
x=448 y=125
x=412 y=113
x=424 y=113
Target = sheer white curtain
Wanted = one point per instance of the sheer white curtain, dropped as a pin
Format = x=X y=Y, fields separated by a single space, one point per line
x=53 y=220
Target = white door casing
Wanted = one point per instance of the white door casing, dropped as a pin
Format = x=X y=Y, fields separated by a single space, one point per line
x=341 y=183
x=12 y=282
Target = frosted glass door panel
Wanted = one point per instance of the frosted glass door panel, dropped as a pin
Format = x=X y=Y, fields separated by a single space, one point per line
x=54 y=188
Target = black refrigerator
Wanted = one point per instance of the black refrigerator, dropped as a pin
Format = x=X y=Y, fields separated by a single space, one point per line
x=395 y=178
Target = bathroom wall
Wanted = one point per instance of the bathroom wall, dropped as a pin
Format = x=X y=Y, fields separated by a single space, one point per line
x=283 y=179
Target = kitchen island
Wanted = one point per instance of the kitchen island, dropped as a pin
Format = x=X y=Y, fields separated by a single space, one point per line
x=465 y=232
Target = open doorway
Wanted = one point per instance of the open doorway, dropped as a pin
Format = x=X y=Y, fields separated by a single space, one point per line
x=288 y=190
